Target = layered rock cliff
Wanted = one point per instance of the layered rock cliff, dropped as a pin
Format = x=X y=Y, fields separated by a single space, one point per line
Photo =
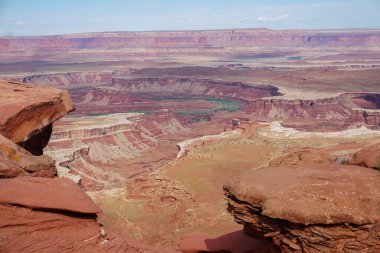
x=84 y=145
x=335 y=109
x=310 y=207
x=196 y=87
x=131 y=90
x=70 y=80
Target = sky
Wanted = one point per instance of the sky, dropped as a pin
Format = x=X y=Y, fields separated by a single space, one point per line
x=49 y=17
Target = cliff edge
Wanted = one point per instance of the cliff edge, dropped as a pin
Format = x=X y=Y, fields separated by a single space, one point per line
x=39 y=211
x=310 y=208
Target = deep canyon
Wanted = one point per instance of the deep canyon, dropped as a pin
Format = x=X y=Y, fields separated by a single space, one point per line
x=245 y=140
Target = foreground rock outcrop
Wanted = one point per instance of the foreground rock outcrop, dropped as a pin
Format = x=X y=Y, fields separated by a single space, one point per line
x=310 y=208
x=26 y=230
x=53 y=215
x=39 y=213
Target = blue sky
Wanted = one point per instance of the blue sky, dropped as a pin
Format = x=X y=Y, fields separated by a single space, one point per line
x=46 y=17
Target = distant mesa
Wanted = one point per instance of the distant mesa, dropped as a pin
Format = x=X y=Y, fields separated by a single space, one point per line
x=207 y=38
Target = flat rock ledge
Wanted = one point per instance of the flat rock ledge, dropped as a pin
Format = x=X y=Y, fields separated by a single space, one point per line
x=58 y=194
x=310 y=208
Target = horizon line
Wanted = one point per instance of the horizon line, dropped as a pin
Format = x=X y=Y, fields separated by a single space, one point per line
x=197 y=30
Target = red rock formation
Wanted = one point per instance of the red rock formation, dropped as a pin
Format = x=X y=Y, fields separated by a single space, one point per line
x=195 y=87
x=82 y=149
x=27 y=230
x=367 y=157
x=306 y=157
x=41 y=193
x=132 y=90
x=310 y=208
x=15 y=161
x=27 y=110
x=27 y=114
x=43 y=214
x=335 y=109
x=71 y=79
x=366 y=101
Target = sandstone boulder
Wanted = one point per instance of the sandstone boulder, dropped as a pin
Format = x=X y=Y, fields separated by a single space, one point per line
x=368 y=157
x=310 y=208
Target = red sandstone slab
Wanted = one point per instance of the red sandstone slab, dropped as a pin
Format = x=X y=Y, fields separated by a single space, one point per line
x=25 y=230
x=43 y=193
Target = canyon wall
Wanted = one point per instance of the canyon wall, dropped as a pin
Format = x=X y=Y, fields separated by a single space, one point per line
x=71 y=79
x=195 y=87
x=130 y=90
x=85 y=153
x=143 y=89
x=335 y=109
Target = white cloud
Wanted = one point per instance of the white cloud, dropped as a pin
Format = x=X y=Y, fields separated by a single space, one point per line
x=20 y=22
x=272 y=18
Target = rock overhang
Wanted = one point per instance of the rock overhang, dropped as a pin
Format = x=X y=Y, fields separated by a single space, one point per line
x=27 y=109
